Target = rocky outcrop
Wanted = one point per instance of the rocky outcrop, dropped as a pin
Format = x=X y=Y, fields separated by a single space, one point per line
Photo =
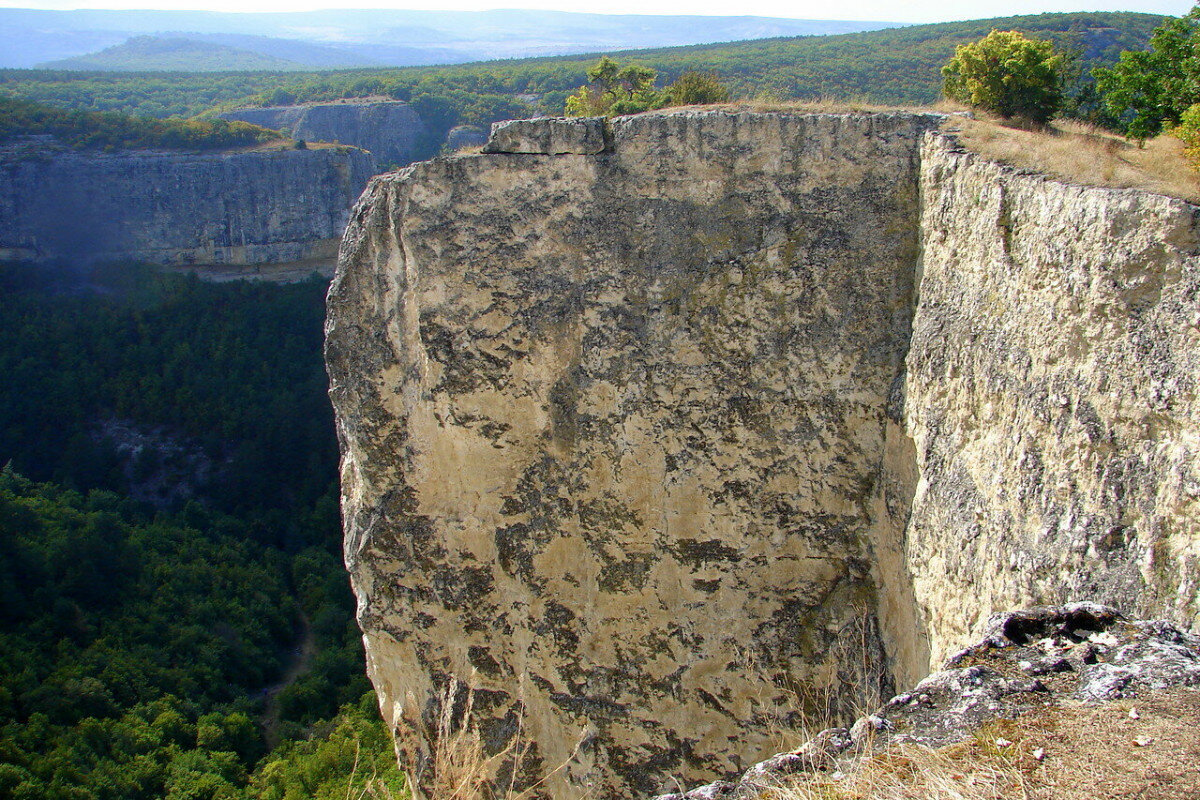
x=1027 y=661
x=226 y=209
x=653 y=431
x=391 y=130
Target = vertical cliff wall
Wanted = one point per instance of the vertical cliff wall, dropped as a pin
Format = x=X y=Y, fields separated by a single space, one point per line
x=177 y=209
x=612 y=419
x=653 y=431
x=391 y=130
x=1052 y=397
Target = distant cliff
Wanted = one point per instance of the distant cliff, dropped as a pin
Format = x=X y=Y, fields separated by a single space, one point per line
x=655 y=429
x=391 y=130
x=226 y=209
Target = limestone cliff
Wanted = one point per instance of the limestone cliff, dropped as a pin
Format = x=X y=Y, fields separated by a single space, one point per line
x=652 y=430
x=1051 y=393
x=392 y=131
x=176 y=209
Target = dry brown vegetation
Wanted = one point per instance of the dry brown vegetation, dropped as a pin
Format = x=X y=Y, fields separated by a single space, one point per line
x=1068 y=150
x=1147 y=749
x=1080 y=153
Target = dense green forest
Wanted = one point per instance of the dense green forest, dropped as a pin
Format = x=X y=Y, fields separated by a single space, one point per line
x=893 y=66
x=179 y=550
x=113 y=130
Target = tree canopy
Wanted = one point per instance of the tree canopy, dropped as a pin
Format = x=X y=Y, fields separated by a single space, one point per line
x=614 y=89
x=1149 y=89
x=1008 y=74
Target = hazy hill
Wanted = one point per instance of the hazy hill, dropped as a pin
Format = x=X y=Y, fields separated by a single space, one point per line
x=149 y=53
x=392 y=37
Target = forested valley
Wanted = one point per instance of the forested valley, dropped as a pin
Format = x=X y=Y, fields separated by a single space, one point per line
x=169 y=545
x=892 y=66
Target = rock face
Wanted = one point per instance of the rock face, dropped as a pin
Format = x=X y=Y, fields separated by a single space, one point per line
x=177 y=209
x=392 y=131
x=552 y=136
x=654 y=433
x=1051 y=396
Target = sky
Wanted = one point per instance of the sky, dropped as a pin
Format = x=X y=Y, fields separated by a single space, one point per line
x=889 y=10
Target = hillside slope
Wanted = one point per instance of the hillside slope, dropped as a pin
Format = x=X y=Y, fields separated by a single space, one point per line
x=898 y=66
x=173 y=54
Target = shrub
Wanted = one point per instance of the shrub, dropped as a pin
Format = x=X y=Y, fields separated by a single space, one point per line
x=697 y=89
x=1188 y=131
x=1009 y=75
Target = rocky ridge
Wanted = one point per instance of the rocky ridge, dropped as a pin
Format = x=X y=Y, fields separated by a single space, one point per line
x=648 y=425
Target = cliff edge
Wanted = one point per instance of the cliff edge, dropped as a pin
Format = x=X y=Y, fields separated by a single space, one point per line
x=656 y=430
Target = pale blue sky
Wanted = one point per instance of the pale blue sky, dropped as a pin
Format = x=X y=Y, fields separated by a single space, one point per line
x=897 y=10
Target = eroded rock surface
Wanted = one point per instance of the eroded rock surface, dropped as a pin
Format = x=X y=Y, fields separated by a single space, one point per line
x=646 y=441
x=611 y=427
x=391 y=130
x=549 y=136
x=1051 y=393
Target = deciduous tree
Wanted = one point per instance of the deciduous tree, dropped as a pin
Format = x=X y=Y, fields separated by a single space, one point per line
x=1009 y=75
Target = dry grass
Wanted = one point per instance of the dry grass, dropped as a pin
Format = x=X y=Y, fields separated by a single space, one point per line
x=1060 y=753
x=460 y=768
x=912 y=772
x=1080 y=153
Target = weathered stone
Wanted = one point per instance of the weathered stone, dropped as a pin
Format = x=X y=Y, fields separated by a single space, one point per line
x=611 y=427
x=1051 y=397
x=952 y=705
x=463 y=136
x=548 y=136
x=633 y=440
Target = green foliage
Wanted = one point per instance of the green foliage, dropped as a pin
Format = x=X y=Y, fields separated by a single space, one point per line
x=898 y=65
x=1188 y=131
x=351 y=756
x=1007 y=74
x=1151 y=89
x=614 y=89
x=137 y=644
x=110 y=130
x=229 y=372
x=113 y=615
x=697 y=89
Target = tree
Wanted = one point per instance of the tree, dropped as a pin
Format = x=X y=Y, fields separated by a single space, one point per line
x=614 y=89
x=1009 y=75
x=1148 y=90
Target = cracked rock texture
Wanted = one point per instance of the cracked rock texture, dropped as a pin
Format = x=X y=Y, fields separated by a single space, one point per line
x=176 y=209
x=656 y=445
x=1051 y=396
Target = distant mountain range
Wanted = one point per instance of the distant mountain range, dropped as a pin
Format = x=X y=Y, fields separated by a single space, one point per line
x=201 y=40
